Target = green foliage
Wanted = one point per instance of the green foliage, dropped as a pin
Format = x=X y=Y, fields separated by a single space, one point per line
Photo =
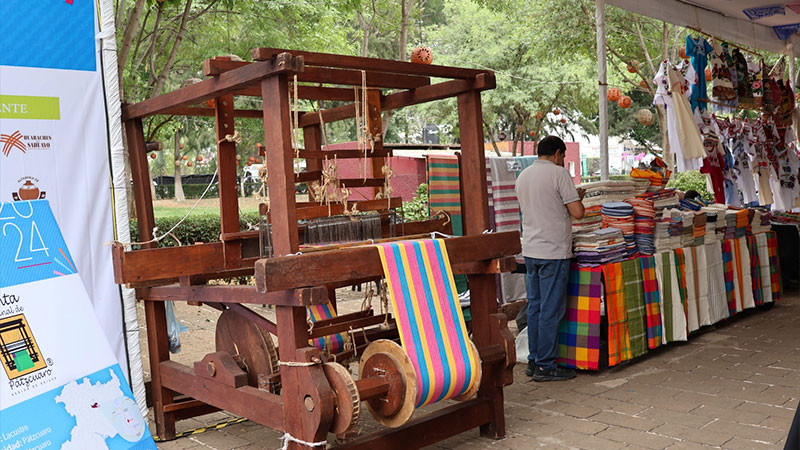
x=691 y=180
x=417 y=209
x=196 y=228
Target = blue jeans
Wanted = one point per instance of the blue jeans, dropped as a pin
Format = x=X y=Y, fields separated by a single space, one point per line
x=546 y=282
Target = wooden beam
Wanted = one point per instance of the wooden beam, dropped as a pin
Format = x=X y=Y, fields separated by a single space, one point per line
x=198 y=111
x=303 y=177
x=260 y=407
x=426 y=430
x=343 y=154
x=360 y=182
x=375 y=79
x=234 y=294
x=167 y=262
x=357 y=324
x=416 y=96
x=385 y=65
x=322 y=268
x=140 y=170
x=228 y=192
x=214 y=87
x=306 y=92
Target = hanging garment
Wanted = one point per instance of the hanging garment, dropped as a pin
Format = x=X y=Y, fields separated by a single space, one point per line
x=722 y=87
x=745 y=86
x=744 y=181
x=698 y=49
x=684 y=137
x=713 y=164
x=673 y=316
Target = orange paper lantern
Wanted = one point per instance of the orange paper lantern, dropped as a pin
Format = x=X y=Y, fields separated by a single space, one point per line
x=258 y=160
x=633 y=66
x=539 y=115
x=625 y=102
x=181 y=146
x=185 y=157
x=422 y=55
x=643 y=84
x=153 y=155
x=532 y=133
x=199 y=158
x=563 y=120
x=189 y=164
x=258 y=144
x=210 y=103
x=614 y=94
x=682 y=52
x=556 y=111
x=708 y=74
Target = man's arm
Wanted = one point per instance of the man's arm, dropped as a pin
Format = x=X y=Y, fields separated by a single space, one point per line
x=576 y=209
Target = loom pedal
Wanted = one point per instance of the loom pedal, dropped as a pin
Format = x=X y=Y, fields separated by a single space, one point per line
x=250 y=344
x=348 y=401
x=222 y=368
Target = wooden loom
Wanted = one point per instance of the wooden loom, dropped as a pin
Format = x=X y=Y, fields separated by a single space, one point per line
x=302 y=396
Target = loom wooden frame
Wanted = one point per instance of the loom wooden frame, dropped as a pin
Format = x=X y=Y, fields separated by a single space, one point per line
x=305 y=406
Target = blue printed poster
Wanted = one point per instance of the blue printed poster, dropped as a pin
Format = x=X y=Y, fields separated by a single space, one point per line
x=60 y=384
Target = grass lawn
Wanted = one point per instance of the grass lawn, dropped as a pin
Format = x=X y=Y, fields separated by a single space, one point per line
x=171 y=208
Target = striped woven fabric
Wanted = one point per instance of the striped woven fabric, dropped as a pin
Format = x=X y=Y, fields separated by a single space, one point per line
x=619 y=345
x=774 y=266
x=755 y=270
x=429 y=318
x=652 y=301
x=673 y=316
x=579 y=330
x=680 y=270
x=692 y=319
x=492 y=224
x=444 y=193
x=744 y=280
x=333 y=343
x=504 y=196
x=634 y=303
x=701 y=274
x=727 y=267
x=766 y=274
x=717 y=297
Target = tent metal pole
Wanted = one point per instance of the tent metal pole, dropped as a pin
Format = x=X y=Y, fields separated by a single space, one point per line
x=602 y=89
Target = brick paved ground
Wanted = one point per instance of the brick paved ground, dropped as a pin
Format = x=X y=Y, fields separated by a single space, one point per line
x=735 y=386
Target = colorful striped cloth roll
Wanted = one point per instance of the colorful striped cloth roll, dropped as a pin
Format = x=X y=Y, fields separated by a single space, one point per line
x=634 y=303
x=444 y=192
x=730 y=276
x=755 y=270
x=701 y=274
x=774 y=266
x=579 y=330
x=619 y=344
x=333 y=343
x=717 y=297
x=763 y=259
x=673 y=317
x=429 y=318
x=652 y=301
x=692 y=319
x=680 y=270
x=744 y=280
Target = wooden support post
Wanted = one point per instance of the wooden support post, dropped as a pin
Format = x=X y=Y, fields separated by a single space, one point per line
x=308 y=401
x=312 y=138
x=155 y=314
x=375 y=130
x=226 y=166
x=475 y=216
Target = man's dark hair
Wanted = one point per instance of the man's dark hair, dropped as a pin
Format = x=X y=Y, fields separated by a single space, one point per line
x=550 y=145
x=691 y=194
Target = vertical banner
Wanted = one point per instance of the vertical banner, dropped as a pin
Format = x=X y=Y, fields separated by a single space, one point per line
x=54 y=143
x=60 y=383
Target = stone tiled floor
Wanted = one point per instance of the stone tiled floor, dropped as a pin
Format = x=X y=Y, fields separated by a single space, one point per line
x=734 y=386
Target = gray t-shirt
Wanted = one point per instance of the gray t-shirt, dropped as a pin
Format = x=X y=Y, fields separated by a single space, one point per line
x=543 y=190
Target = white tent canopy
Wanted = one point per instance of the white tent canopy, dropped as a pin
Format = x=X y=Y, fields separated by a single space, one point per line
x=725 y=19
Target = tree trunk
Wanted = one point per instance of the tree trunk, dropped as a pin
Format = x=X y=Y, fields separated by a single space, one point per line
x=179 y=195
x=127 y=38
x=402 y=53
x=491 y=136
x=162 y=77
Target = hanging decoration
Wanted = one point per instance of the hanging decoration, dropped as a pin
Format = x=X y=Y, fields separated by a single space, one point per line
x=422 y=55
x=643 y=84
x=563 y=120
x=180 y=146
x=625 y=102
x=185 y=157
x=189 y=164
x=539 y=115
x=633 y=66
x=153 y=155
x=614 y=94
x=556 y=111
x=199 y=159
x=764 y=11
x=708 y=74
x=532 y=133
x=645 y=117
x=784 y=32
x=682 y=53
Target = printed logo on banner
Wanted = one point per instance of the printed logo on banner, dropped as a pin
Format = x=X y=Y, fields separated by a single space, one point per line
x=24 y=142
x=18 y=349
x=28 y=190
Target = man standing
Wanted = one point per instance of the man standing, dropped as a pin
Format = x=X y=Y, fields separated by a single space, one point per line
x=547 y=199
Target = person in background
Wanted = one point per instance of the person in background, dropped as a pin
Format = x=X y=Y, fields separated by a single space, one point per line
x=691 y=194
x=548 y=199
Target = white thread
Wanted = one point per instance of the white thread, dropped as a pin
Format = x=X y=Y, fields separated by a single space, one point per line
x=446 y=236
x=297 y=364
x=488 y=231
x=235 y=137
x=286 y=438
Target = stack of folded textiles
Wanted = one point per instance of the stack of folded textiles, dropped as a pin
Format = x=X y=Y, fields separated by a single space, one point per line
x=761 y=221
x=711 y=226
x=699 y=228
x=641 y=185
x=598 y=247
x=730 y=224
x=675 y=227
x=715 y=228
x=661 y=235
x=644 y=215
x=620 y=215
x=592 y=220
x=692 y=204
x=742 y=222
x=600 y=192
x=687 y=230
x=664 y=199
x=780 y=218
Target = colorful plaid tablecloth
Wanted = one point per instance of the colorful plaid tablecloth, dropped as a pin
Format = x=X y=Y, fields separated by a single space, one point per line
x=730 y=276
x=634 y=302
x=774 y=265
x=619 y=345
x=652 y=301
x=579 y=330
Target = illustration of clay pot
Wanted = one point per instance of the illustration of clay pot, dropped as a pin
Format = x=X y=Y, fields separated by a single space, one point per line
x=28 y=191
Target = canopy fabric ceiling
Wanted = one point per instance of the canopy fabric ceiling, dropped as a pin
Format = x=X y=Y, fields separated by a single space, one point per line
x=726 y=19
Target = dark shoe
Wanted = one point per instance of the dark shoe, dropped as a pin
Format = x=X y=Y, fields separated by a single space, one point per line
x=531 y=368
x=556 y=374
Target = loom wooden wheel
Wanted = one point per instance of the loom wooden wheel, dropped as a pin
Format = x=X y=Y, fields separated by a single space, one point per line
x=386 y=359
x=238 y=336
x=348 y=402
x=469 y=393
